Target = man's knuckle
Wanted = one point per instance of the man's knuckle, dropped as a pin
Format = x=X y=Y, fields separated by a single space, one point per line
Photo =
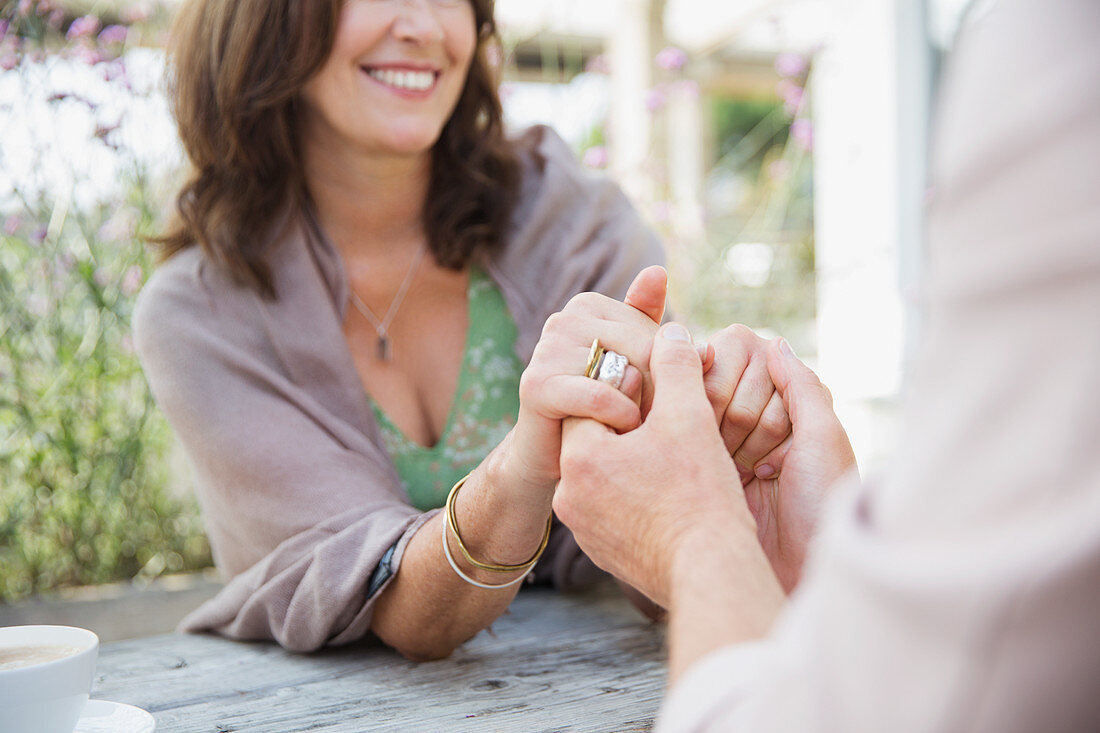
x=740 y=417
x=775 y=426
x=562 y=503
x=576 y=462
x=742 y=333
x=717 y=391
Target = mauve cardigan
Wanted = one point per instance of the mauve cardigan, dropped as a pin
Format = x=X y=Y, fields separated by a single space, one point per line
x=300 y=499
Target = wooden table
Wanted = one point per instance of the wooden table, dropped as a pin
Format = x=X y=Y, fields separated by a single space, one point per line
x=580 y=662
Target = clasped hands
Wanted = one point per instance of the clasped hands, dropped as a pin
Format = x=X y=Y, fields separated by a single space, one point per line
x=735 y=441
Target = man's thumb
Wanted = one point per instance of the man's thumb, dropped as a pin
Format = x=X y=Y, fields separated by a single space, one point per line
x=677 y=372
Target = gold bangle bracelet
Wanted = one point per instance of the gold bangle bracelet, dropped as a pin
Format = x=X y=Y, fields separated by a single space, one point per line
x=452 y=522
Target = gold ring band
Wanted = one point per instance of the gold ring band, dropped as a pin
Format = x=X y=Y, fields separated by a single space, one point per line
x=594 y=356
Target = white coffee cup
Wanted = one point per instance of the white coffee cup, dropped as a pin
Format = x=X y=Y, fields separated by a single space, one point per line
x=47 y=696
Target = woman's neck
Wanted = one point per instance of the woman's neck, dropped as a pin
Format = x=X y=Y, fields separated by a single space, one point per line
x=368 y=205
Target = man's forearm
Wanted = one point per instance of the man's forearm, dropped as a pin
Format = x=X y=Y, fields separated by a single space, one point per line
x=723 y=591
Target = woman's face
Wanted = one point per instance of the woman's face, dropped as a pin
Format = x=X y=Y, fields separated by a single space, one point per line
x=394 y=76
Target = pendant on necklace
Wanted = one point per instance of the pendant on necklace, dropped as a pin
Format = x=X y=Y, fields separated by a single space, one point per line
x=383 y=348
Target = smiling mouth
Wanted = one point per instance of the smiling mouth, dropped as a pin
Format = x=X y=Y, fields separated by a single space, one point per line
x=408 y=80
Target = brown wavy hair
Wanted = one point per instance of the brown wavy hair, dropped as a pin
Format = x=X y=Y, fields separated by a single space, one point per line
x=236 y=73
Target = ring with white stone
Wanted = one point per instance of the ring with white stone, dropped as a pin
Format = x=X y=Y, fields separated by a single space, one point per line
x=612 y=369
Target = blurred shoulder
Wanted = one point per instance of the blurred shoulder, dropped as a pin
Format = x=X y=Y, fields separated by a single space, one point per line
x=188 y=295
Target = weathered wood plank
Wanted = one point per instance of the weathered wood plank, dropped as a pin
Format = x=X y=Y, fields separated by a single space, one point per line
x=581 y=663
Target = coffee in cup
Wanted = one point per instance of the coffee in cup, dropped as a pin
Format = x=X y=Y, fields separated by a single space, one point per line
x=46 y=676
x=26 y=656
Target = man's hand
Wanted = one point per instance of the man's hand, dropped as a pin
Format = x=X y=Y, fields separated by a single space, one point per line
x=632 y=499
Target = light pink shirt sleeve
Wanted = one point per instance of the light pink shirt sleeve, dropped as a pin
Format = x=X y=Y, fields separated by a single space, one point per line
x=962 y=593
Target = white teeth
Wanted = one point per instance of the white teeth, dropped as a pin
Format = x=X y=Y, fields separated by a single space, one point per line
x=417 y=81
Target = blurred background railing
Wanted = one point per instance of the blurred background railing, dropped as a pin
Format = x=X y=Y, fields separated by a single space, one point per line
x=778 y=146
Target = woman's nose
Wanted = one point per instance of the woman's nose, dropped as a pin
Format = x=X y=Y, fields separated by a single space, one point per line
x=417 y=22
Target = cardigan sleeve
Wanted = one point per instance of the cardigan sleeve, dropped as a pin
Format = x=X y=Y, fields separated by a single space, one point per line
x=299 y=506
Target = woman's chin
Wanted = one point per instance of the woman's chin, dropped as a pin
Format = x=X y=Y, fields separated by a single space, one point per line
x=411 y=142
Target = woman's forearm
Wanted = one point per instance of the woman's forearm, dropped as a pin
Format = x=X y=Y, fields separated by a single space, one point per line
x=428 y=610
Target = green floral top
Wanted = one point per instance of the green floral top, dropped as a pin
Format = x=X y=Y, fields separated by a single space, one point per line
x=484 y=410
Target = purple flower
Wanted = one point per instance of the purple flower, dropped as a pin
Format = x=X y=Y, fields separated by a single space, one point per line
x=791 y=94
x=598 y=65
x=791 y=64
x=88 y=54
x=12 y=225
x=57 y=17
x=25 y=7
x=132 y=279
x=671 y=58
x=655 y=99
x=802 y=132
x=82 y=27
x=8 y=60
x=596 y=157
x=39 y=235
x=112 y=34
x=4 y=25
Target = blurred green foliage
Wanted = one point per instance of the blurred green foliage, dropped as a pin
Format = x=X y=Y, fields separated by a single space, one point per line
x=88 y=484
x=760 y=123
x=759 y=212
x=85 y=469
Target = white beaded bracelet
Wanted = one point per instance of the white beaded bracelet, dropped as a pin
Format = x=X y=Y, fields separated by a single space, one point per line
x=467 y=578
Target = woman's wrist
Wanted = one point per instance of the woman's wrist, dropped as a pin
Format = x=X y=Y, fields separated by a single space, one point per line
x=501 y=521
x=509 y=471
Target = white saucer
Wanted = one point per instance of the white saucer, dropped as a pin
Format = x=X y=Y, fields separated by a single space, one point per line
x=102 y=716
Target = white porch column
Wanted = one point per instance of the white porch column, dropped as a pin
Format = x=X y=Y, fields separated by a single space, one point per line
x=629 y=128
x=686 y=167
x=870 y=121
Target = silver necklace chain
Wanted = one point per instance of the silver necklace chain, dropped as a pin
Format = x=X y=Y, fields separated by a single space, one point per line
x=384 y=349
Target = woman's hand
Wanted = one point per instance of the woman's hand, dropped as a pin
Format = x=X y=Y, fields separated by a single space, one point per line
x=554 y=387
x=752 y=417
